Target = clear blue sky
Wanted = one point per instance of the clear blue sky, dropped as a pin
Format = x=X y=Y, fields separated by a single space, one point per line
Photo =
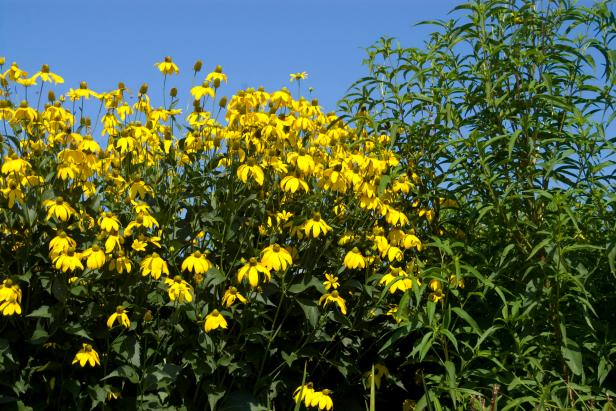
x=258 y=42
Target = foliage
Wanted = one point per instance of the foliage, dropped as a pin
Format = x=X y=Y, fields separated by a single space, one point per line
x=207 y=264
x=505 y=116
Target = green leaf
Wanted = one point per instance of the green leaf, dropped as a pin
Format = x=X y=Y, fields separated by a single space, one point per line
x=41 y=312
x=124 y=371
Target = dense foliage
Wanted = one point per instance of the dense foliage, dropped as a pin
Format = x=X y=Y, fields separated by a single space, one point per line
x=196 y=264
x=447 y=241
x=508 y=111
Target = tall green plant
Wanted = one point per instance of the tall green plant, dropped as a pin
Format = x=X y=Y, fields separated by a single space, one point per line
x=508 y=113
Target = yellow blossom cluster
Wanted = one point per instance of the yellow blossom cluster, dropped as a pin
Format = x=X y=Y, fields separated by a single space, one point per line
x=320 y=184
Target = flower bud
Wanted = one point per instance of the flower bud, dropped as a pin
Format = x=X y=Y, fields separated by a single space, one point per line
x=216 y=83
x=45 y=68
x=2 y=60
x=51 y=96
x=223 y=102
x=121 y=86
x=173 y=92
x=83 y=85
x=143 y=89
x=197 y=66
x=314 y=102
x=218 y=69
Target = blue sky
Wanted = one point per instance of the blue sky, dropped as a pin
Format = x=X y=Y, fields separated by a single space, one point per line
x=258 y=42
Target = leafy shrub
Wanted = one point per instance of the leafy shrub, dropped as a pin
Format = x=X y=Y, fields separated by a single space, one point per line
x=505 y=116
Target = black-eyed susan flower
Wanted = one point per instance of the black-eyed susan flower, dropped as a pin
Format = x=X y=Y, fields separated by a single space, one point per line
x=274 y=257
x=154 y=265
x=251 y=270
x=214 y=320
x=232 y=294
x=437 y=290
x=95 y=257
x=331 y=281
x=121 y=263
x=168 y=66
x=354 y=259
x=315 y=226
x=59 y=209
x=334 y=297
x=87 y=354
x=179 y=290
x=196 y=263
x=120 y=316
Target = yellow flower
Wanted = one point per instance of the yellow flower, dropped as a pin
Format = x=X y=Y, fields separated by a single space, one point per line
x=13 y=193
x=316 y=226
x=95 y=257
x=60 y=244
x=196 y=263
x=291 y=184
x=304 y=393
x=298 y=76
x=251 y=270
x=48 y=76
x=395 y=217
x=437 y=288
x=322 y=400
x=251 y=169
x=168 y=66
x=217 y=74
x=333 y=297
x=121 y=263
x=68 y=261
x=397 y=279
x=202 y=90
x=411 y=241
x=231 y=295
x=120 y=316
x=87 y=354
x=380 y=371
x=276 y=258
x=154 y=265
x=14 y=164
x=109 y=222
x=179 y=289
x=354 y=259
x=58 y=208
x=10 y=297
x=214 y=320
x=331 y=281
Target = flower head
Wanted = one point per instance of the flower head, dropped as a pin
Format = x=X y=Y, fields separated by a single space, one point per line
x=251 y=270
x=168 y=66
x=214 y=320
x=334 y=297
x=120 y=316
x=298 y=76
x=179 y=289
x=87 y=354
